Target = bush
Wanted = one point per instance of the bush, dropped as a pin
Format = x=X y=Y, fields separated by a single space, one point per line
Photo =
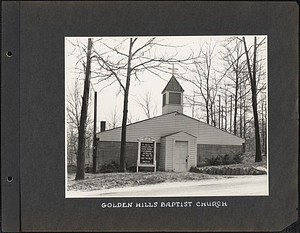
x=109 y=168
x=214 y=161
x=224 y=160
x=131 y=169
x=238 y=157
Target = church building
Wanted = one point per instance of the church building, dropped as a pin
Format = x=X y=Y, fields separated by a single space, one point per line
x=182 y=142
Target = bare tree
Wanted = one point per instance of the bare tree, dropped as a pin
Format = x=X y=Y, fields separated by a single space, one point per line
x=130 y=118
x=114 y=119
x=252 y=74
x=234 y=68
x=71 y=146
x=124 y=60
x=191 y=100
x=80 y=169
x=205 y=80
x=74 y=104
x=147 y=105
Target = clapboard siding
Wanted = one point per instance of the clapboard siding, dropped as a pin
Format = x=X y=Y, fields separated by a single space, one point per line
x=193 y=152
x=160 y=126
x=169 y=157
x=162 y=160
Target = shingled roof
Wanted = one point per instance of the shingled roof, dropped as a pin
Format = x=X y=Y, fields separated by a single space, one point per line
x=173 y=85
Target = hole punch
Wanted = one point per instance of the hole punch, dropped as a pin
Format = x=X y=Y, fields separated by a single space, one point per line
x=9 y=179
x=8 y=53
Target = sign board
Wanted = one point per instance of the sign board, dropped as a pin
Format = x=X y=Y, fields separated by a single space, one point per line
x=146 y=153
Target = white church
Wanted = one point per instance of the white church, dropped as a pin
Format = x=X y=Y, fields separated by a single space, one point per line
x=181 y=141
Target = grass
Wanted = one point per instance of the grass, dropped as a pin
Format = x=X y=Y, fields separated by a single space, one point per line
x=129 y=179
x=101 y=181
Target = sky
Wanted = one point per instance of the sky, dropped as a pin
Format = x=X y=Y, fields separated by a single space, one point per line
x=110 y=99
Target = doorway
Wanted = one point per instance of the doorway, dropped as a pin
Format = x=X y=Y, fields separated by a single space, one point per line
x=181 y=156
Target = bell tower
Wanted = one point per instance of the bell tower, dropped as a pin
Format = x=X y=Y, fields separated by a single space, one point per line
x=172 y=97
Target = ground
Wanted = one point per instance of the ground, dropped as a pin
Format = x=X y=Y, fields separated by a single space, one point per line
x=250 y=185
x=115 y=181
x=129 y=179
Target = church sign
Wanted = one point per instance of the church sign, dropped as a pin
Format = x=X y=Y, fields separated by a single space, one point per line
x=146 y=153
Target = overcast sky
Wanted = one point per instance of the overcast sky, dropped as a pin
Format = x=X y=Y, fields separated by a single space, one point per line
x=110 y=98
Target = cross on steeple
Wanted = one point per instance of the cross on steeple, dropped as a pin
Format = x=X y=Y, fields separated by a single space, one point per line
x=173 y=69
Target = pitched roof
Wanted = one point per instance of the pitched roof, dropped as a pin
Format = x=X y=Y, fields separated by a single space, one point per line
x=178 y=133
x=173 y=85
x=170 y=113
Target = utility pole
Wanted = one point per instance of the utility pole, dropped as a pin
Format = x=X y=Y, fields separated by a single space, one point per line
x=95 y=138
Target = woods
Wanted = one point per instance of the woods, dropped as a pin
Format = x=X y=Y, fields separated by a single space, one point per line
x=225 y=80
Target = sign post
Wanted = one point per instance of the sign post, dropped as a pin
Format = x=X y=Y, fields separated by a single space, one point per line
x=146 y=153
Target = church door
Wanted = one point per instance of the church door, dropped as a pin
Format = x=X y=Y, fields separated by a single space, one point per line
x=181 y=156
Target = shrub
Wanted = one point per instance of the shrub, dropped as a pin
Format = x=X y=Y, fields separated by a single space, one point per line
x=109 y=168
x=131 y=169
x=214 y=161
x=237 y=157
x=224 y=160
x=193 y=169
x=227 y=159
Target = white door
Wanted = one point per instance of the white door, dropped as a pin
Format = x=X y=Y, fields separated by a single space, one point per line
x=180 y=156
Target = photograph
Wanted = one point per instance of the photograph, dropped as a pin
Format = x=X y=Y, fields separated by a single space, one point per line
x=146 y=116
x=166 y=116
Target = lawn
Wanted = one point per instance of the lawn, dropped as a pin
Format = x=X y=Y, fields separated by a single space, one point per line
x=128 y=179
x=101 y=181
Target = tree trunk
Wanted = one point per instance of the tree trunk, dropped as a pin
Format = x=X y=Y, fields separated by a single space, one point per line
x=125 y=112
x=212 y=119
x=258 y=157
x=83 y=117
x=252 y=76
x=262 y=128
x=219 y=111
x=244 y=129
x=207 y=112
x=95 y=138
x=230 y=113
x=226 y=112
x=241 y=117
x=236 y=94
x=207 y=99
x=235 y=108
x=222 y=117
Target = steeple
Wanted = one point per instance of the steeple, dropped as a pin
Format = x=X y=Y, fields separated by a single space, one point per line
x=172 y=97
